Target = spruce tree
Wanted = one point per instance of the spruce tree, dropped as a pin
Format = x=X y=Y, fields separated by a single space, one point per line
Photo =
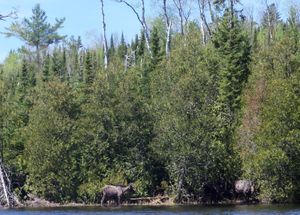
x=141 y=46
x=111 y=50
x=122 y=49
x=55 y=64
x=88 y=69
x=233 y=50
x=233 y=47
x=155 y=46
x=46 y=68
x=64 y=70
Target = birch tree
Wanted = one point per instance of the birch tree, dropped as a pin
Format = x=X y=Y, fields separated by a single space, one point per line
x=105 y=47
x=168 y=23
x=141 y=18
x=184 y=13
x=204 y=26
x=270 y=19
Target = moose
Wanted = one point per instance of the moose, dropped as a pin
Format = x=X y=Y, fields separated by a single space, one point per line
x=244 y=188
x=115 y=192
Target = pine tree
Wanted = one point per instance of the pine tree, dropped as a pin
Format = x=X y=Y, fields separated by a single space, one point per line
x=122 y=49
x=294 y=28
x=141 y=46
x=89 y=74
x=27 y=77
x=155 y=47
x=55 y=64
x=111 y=50
x=36 y=31
x=234 y=51
x=135 y=43
x=46 y=68
x=64 y=70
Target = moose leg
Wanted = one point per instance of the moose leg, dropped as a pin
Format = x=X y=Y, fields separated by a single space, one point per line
x=103 y=199
x=119 y=200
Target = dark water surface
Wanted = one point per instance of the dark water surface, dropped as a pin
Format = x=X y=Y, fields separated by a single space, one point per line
x=170 y=210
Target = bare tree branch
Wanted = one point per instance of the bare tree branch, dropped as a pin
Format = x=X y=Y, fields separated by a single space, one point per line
x=204 y=25
x=12 y=14
x=141 y=18
x=178 y=5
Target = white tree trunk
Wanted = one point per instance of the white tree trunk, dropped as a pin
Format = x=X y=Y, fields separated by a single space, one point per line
x=205 y=29
x=178 y=4
x=168 y=29
x=141 y=18
x=4 y=189
x=105 y=47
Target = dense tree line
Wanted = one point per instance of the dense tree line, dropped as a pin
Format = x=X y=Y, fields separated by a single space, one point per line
x=222 y=105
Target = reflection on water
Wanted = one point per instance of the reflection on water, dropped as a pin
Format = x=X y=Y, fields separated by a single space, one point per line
x=228 y=210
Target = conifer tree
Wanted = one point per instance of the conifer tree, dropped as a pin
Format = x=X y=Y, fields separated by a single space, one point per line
x=111 y=50
x=55 y=64
x=234 y=50
x=141 y=47
x=36 y=31
x=271 y=18
x=46 y=68
x=294 y=28
x=88 y=69
x=122 y=49
x=63 y=70
x=155 y=46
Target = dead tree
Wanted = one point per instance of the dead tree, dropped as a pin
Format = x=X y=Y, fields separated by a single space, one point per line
x=211 y=11
x=168 y=28
x=105 y=47
x=205 y=29
x=178 y=5
x=7 y=199
x=142 y=19
x=184 y=12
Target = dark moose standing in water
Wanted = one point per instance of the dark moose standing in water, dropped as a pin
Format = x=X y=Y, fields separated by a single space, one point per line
x=115 y=192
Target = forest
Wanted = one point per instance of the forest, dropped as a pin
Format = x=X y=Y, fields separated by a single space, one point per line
x=185 y=108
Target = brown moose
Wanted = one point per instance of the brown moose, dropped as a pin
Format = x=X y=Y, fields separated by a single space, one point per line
x=114 y=192
x=244 y=188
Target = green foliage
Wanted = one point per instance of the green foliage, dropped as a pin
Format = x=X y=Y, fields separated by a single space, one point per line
x=36 y=31
x=272 y=160
x=189 y=125
x=11 y=66
x=49 y=144
x=122 y=49
x=89 y=69
x=233 y=46
x=155 y=46
x=186 y=123
x=278 y=138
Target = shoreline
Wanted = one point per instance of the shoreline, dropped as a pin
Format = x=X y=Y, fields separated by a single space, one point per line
x=46 y=204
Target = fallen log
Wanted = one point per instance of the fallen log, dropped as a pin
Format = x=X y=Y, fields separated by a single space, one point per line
x=147 y=200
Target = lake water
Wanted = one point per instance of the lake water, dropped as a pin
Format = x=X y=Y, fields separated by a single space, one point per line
x=189 y=210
